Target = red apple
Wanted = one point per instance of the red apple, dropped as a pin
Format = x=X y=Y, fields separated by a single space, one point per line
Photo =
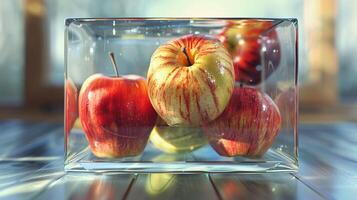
x=248 y=125
x=116 y=115
x=244 y=41
x=190 y=80
x=71 y=105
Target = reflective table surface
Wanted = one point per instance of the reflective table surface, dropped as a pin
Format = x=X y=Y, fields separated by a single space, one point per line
x=31 y=167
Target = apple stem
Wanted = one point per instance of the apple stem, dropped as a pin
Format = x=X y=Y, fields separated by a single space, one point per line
x=114 y=64
x=240 y=85
x=188 y=59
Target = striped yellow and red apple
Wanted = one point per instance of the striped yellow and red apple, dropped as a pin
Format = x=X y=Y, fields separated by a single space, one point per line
x=190 y=80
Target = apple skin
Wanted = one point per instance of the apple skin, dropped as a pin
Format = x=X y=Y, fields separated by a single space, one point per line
x=176 y=140
x=116 y=115
x=247 y=127
x=71 y=105
x=192 y=86
x=243 y=41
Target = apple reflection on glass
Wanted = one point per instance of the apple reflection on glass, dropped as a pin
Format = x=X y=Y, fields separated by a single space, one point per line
x=244 y=40
x=158 y=183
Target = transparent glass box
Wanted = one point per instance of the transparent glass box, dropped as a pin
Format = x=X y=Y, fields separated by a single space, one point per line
x=181 y=95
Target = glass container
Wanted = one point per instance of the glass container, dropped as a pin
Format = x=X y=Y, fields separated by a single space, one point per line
x=181 y=95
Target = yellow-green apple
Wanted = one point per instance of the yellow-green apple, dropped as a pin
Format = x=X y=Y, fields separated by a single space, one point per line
x=116 y=114
x=248 y=125
x=71 y=105
x=171 y=139
x=190 y=80
x=246 y=41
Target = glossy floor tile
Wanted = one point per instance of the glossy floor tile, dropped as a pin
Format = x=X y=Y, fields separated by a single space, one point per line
x=31 y=167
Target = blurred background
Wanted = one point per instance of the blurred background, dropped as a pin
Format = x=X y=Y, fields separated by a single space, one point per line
x=32 y=49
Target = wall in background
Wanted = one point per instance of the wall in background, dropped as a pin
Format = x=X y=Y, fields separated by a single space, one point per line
x=11 y=52
x=346 y=44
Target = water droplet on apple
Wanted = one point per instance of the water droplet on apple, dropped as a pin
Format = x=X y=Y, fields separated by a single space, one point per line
x=265 y=108
x=259 y=68
x=221 y=69
x=91 y=95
